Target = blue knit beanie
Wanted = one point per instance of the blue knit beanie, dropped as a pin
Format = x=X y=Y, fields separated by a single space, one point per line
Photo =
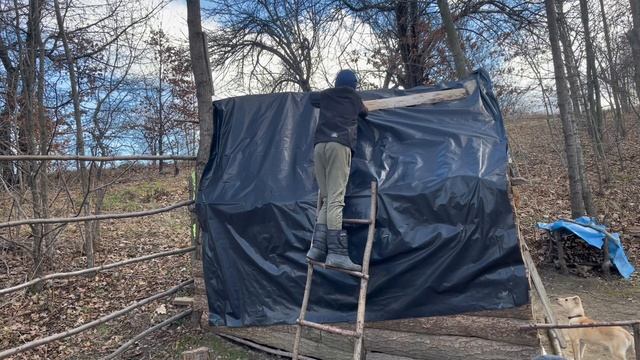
x=347 y=78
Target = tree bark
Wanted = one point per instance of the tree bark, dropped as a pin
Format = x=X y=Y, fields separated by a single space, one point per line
x=575 y=188
x=80 y=148
x=453 y=39
x=204 y=92
x=615 y=83
x=7 y=115
x=573 y=74
x=593 y=90
x=31 y=112
x=634 y=39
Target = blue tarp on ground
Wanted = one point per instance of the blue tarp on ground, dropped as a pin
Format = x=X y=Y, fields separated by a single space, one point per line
x=595 y=238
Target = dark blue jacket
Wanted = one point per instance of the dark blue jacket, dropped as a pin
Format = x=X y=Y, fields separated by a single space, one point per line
x=340 y=109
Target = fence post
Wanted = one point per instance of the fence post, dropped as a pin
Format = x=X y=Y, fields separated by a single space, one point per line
x=636 y=337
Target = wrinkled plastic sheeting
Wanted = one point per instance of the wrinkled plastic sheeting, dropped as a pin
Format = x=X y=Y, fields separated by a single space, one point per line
x=445 y=240
x=595 y=237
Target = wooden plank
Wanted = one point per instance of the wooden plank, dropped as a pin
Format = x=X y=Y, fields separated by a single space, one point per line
x=416 y=99
x=542 y=293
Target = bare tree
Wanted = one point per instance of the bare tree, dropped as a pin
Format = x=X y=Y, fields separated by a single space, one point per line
x=453 y=39
x=276 y=44
x=634 y=40
x=577 y=203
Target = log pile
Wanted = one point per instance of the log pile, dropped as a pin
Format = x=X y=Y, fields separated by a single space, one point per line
x=570 y=254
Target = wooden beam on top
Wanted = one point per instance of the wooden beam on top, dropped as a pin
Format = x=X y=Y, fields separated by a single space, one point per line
x=421 y=99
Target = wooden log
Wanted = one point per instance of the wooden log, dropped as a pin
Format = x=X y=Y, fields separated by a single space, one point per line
x=182 y=301
x=428 y=347
x=489 y=328
x=404 y=344
x=97 y=217
x=560 y=248
x=284 y=340
x=523 y=312
x=201 y=353
x=93 y=158
x=416 y=99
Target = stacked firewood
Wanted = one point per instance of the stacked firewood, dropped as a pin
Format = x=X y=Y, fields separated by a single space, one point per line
x=579 y=257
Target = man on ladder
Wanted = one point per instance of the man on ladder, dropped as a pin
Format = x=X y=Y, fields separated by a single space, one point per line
x=334 y=140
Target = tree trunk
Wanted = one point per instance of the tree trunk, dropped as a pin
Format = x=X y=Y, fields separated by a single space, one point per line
x=7 y=115
x=160 y=112
x=80 y=148
x=406 y=13
x=593 y=85
x=615 y=83
x=36 y=172
x=204 y=92
x=573 y=74
x=634 y=40
x=577 y=203
x=593 y=90
x=453 y=39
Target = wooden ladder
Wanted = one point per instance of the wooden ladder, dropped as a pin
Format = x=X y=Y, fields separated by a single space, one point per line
x=358 y=334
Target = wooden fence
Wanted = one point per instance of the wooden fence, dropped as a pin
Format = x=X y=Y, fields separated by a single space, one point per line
x=94 y=270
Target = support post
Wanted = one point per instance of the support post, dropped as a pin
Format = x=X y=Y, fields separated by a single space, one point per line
x=636 y=338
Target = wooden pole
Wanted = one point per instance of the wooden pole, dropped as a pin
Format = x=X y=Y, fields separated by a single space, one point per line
x=128 y=344
x=636 y=338
x=92 y=324
x=97 y=217
x=96 y=269
x=303 y=312
x=576 y=326
x=364 y=282
x=542 y=293
x=94 y=158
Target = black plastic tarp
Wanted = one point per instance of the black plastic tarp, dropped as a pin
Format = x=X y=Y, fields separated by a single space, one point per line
x=445 y=240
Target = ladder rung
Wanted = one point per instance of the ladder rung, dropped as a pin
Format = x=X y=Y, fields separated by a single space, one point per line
x=328 y=328
x=324 y=266
x=356 y=221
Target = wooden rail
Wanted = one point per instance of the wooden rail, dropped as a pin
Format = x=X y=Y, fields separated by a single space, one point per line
x=577 y=326
x=97 y=217
x=93 y=158
x=96 y=269
x=92 y=324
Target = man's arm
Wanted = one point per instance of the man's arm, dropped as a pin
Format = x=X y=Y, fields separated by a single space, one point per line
x=363 y=112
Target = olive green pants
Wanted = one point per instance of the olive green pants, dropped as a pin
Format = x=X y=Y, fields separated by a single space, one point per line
x=332 y=165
